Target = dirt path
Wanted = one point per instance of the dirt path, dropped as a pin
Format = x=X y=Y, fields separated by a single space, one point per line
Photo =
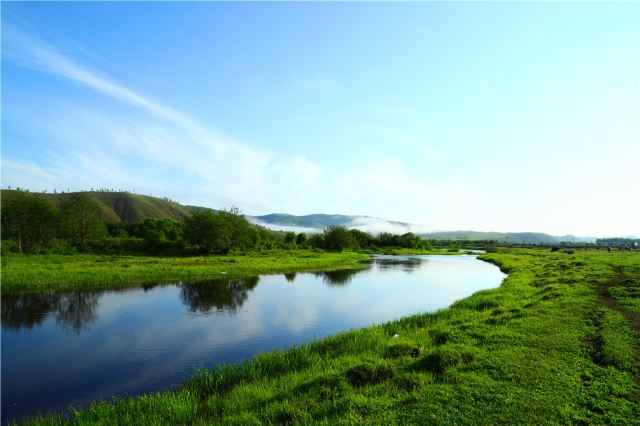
x=633 y=319
x=603 y=291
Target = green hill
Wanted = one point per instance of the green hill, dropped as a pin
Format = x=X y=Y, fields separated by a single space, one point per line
x=127 y=207
x=375 y=225
x=123 y=206
x=503 y=237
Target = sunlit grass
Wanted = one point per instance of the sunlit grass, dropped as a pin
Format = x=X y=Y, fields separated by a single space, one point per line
x=540 y=349
x=60 y=272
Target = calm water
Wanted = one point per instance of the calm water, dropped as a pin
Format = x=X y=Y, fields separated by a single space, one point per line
x=75 y=347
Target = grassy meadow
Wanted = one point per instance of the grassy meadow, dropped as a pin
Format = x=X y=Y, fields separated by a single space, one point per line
x=24 y=273
x=556 y=343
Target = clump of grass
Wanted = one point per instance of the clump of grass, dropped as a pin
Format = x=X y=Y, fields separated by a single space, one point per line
x=287 y=413
x=439 y=360
x=411 y=381
x=440 y=336
x=404 y=349
x=369 y=374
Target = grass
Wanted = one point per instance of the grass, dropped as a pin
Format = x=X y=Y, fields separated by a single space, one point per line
x=546 y=347
x=28 y=273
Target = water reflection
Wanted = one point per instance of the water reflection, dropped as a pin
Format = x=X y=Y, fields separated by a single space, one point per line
x=337 y=278
x=77 y=309
x=218 y=295
x=140 y=340
x=72 y=310
x=406 y=264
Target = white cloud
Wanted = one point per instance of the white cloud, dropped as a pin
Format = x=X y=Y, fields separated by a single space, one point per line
x=286 y=228
x=376 y=225
x=91 y=147
x=298 y=172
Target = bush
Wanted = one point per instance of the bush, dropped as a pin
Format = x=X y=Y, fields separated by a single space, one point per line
x=491 y=249
x=338 y=238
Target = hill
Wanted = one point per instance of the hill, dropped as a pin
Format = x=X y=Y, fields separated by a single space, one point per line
x=128 y=207
x=123 y=206
x=506 y=237
x=316 y=222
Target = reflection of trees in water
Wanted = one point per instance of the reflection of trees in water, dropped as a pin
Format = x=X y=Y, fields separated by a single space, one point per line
x=72 y=310
x=290 y=276
x=405 y=264
x=337 y=278
x=221 y=295
x=76 y=309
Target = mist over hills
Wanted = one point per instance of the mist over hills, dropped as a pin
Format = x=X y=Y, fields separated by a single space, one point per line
x=316 y=222
x=116 y=206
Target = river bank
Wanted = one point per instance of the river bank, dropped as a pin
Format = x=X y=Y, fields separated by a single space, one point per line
x=548 y=346
x=32 y=273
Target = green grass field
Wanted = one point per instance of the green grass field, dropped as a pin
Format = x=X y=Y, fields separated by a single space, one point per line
x=556 y=343
x=22 y=273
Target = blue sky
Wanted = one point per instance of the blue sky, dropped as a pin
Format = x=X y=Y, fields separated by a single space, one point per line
x=484 y=116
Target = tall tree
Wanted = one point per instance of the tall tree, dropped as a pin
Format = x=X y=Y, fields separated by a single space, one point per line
x=30 y=219
x=338 y=238
x=220 y=232
x=242 y=235
x=206 y=230
x=82 y=223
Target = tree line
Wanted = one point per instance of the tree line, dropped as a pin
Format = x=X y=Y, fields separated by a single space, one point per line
x=31 y=223
x=617 y=242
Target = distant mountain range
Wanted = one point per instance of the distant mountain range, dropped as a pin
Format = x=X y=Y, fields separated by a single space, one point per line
x=316 y=222
x=128 y=207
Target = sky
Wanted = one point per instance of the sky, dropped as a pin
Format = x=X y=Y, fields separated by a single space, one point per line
x=497 y=116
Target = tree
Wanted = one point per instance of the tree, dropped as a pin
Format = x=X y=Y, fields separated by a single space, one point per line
x=301 y=239
x=82 y=224
x=29 y=218
x=219 y=232
x=409 y=240
x=205 y=230
x=338 y=238
x=290 y=239
x=363 y=239
x=386 y=239
x=316 y=240
x=242 y=235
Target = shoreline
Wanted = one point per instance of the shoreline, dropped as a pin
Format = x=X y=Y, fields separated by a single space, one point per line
x=493 y=355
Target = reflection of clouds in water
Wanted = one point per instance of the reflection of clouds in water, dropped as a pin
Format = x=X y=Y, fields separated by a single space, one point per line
x=145 y=339
x=294 y=318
